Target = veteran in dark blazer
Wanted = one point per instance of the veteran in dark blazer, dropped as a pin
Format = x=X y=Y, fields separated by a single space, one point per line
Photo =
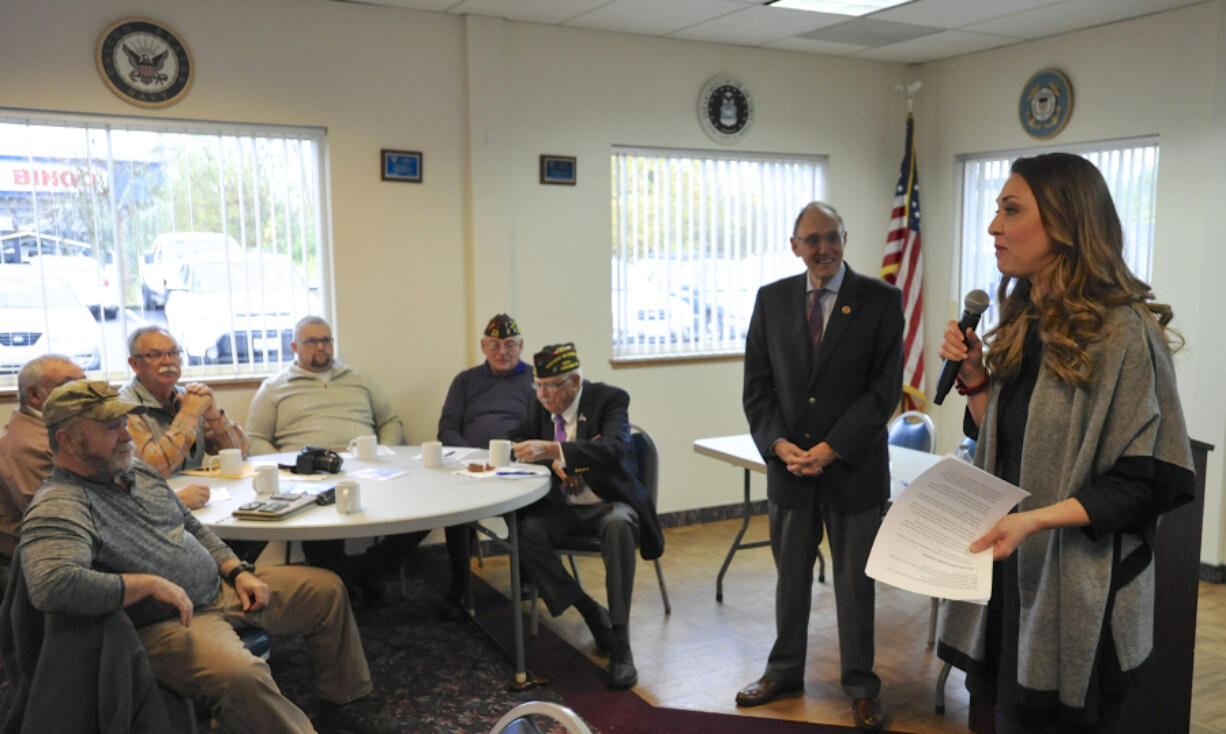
x=582 y=430
x=823 y=374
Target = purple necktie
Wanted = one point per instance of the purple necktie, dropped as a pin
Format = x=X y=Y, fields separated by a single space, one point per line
x=559 y=428
x=815 y=318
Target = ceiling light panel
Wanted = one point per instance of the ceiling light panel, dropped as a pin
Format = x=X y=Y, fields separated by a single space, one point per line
x=839 y=7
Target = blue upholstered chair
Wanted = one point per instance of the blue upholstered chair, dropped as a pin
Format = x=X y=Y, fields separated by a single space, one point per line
x=913 y=430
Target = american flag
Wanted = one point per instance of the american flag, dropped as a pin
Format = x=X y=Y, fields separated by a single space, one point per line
x=903 y=267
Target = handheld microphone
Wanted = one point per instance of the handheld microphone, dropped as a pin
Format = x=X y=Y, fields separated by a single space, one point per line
x=975 y=304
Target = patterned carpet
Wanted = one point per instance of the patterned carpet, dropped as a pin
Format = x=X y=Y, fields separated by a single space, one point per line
x=433 y=672
x=436 y=674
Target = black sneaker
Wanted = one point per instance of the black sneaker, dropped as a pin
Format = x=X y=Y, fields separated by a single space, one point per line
x=352 y=718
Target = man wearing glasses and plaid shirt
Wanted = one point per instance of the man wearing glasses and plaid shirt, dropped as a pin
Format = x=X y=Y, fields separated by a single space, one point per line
x=180 y=424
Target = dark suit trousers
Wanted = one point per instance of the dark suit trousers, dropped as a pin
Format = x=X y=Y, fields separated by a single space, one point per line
x=795 y=533
x=617 y=526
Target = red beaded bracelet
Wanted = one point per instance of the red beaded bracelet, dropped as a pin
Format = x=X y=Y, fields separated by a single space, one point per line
x=968 y=391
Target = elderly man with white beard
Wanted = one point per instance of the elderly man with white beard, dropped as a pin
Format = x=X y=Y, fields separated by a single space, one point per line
x=180 y=424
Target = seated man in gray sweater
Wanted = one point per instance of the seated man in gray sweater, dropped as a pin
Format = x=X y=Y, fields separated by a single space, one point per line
x=318 y=401
x=105 y=533
x=484 y=402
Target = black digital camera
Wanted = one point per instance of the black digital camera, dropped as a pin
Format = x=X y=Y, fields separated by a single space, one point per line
x=317 y=460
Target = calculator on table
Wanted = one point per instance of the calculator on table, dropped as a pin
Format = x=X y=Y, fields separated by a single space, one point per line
x=275 y=507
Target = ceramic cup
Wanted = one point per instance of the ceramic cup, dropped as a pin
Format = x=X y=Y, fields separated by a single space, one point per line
x=364 y=448
x=227 y=463
x=500 y=453
x=266 y=480
x=348 y=496
x=432 y=454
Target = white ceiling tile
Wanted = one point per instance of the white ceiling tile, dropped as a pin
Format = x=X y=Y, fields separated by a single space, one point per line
x=528 y=11
x=870 y=32
x=936 y=46
x=983 y=23
x=757 y=25
x=956 y=13
x=653 y=17
x=808 y=45
x=1072 y=15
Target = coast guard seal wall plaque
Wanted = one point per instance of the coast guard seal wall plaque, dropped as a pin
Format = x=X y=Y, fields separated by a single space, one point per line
x=1046 y=104
x=725 y=109
x=144 y=62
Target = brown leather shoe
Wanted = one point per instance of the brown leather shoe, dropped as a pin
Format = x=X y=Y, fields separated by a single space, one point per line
x=764 y=690
x=868 y=713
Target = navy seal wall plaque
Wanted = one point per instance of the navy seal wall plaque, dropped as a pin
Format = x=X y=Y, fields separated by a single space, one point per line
x=1046 y=104
x=725 y=109
x=144 y=62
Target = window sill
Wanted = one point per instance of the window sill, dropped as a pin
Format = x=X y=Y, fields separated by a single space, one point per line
x=629 y=362
x=9 y=394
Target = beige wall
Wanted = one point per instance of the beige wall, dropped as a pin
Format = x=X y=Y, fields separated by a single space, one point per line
x=1164 y=75
x=417 y=268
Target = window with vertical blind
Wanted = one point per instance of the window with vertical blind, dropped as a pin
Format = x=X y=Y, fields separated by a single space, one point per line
x=695 y=233
x=1130 y=168
x=212 y=231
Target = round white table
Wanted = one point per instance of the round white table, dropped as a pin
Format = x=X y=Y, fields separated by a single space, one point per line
x=417 y=499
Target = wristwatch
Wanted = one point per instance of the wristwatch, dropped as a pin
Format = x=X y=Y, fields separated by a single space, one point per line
x=243 y=566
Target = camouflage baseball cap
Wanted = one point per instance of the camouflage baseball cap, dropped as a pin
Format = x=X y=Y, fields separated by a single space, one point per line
x=93 y=399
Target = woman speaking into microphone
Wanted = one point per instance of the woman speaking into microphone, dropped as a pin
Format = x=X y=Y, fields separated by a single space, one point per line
x=1072 y=397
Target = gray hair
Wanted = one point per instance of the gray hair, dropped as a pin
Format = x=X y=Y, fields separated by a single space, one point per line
x=135 y=337
x=824 y=208
x=306 y=321
x=34 y=372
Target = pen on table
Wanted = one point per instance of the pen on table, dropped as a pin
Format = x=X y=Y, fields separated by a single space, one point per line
x=516 y=473
x=447 y=453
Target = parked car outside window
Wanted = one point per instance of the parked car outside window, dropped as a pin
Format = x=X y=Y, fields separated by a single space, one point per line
x=40 y=315
x=161 y=268
x=239 y=310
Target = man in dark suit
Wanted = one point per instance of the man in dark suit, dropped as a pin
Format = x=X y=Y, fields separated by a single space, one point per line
x=582 y=430
x=823 y=372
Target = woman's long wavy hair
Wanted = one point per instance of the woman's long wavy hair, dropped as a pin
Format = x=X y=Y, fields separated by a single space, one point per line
x=1086 y=278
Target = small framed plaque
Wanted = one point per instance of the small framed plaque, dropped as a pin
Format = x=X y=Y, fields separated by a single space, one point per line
x=560 y=170
x=400 y=165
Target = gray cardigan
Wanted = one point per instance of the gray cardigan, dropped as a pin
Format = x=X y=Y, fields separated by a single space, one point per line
x=1074 y=435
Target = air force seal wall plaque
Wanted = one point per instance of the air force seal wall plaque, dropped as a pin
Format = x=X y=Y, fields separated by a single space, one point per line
x=725 y=109
x=144 y=62
x=1046 y=104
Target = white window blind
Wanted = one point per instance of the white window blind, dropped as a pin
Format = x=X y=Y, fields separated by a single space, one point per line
x=1130 y=168
x=211 y=231
x=695 y=233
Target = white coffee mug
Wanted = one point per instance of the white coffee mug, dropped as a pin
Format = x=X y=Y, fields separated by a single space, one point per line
x=432 y=454
x=227 y=463
x=266 y=480
x=500 y=452
x=364 y=448
x=348 y=496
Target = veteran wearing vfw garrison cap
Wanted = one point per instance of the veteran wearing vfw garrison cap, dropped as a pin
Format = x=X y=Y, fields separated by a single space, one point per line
x=484 y=402
x=582 y=430
x=105 y=534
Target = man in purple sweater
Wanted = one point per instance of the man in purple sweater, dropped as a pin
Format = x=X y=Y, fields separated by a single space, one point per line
x=484 y=402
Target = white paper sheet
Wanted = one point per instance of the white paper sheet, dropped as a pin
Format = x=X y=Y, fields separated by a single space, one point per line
x=924 y=540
